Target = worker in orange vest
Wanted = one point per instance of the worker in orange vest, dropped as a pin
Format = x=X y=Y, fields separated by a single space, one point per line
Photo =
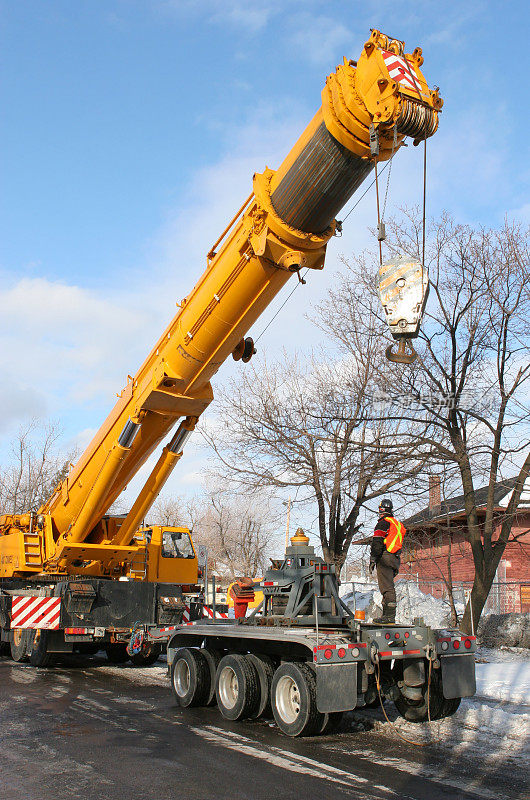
x=384 y=557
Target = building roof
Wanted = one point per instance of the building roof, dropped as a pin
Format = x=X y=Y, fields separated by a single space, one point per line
x=455 y=505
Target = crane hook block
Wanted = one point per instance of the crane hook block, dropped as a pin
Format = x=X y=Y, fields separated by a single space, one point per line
x=403 y=289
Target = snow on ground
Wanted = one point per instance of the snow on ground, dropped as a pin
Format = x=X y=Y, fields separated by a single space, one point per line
x=505 y=680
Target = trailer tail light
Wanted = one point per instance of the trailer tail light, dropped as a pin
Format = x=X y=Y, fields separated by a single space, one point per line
x=355 y=652
x=341 y=652
x=328 y=654
x=387 y=636
x=77 y=631
x=467 y=644
x=456 y=644
x=407 y=634
x=445 y=645
x=396 y=636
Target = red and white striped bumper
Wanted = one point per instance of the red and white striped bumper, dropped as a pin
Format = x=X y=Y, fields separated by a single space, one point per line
x=35 y=612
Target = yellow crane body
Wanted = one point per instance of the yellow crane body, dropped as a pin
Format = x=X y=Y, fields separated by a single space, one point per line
x=283 y=227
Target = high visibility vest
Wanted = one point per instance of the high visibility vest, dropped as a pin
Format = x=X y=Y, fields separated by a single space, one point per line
x=394 y=537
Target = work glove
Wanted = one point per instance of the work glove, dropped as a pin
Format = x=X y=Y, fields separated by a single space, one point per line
x=371 y=566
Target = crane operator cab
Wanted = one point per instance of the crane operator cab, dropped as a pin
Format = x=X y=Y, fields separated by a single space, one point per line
x=169 y=555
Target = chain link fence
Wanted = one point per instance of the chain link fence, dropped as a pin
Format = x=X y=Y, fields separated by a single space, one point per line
x=505 y=597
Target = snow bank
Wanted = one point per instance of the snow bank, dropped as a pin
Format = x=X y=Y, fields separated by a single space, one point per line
x=507 y=681
x=511 y=630
x=412 y=603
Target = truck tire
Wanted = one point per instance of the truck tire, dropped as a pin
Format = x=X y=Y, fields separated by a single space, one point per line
x=19 y=644
x=237 y=687
x=265 y=670
x=294 y=700
x=190 y=678
x=39 y=656
x=213 y=658
x=117 y=653
x=147 y=656
x=331 y=722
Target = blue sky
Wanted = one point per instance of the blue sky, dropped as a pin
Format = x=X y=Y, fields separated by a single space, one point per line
x=130 y=134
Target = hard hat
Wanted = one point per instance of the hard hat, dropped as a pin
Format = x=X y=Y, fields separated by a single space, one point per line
x=386 y=506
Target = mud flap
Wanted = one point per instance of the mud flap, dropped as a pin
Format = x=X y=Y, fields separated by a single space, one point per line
x=336 y=687
x=458 y=676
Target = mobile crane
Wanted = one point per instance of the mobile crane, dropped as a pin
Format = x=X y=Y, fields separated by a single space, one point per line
x=71 y=575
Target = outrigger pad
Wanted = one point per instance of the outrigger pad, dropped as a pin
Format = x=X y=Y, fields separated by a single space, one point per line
x=458 y=676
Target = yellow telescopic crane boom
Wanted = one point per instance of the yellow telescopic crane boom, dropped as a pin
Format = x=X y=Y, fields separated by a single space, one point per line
x=283 y=226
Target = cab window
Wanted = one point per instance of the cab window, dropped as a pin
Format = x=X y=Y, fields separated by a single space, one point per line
x=176 y=544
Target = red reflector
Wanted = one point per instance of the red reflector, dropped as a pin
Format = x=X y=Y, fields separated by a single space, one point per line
x=407 y=634
x=75 y=631
x=456 y=645
x=342 y=652
x=467 y=644
x=396 y=636
x=328 y=653
x=268 y=583
x=387 y=636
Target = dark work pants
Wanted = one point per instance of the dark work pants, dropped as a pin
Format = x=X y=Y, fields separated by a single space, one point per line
x=387 y=569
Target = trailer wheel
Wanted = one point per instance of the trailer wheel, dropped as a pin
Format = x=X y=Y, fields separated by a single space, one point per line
x=237 y=687
x=190 y=678
x=331 y=722
x=294 y=700
x=147 y=656
x=213 y=658
x=265 y=670
x=117 y=653
x=39 y=656
x=19 y=644
x=449 y=707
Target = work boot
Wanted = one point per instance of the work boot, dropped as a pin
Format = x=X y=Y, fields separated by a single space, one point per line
x=388 y=617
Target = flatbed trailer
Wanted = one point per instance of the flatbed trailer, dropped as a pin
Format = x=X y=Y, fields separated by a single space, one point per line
x=305 y=659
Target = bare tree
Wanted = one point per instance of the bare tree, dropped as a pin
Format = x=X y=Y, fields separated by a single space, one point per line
x=467 y=396
x=33 y=469
x=239 y=533
x=289 y=426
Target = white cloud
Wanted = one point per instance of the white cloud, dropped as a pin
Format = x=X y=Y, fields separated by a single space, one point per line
x=317 y=38
x=250 y=16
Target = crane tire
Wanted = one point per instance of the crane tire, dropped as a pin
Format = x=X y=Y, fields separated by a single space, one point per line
x=117 y=653
x=190 y=677
x=147 y=657
x=331 y=722
x=19 y=644
x=39 y=656
x=213 y=658
x=294 y=700
x=237 y=687
x=265 y=670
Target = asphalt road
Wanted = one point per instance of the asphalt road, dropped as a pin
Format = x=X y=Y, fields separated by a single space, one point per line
x=92 y=731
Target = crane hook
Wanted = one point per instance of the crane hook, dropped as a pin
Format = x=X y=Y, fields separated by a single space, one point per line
x=401 y=356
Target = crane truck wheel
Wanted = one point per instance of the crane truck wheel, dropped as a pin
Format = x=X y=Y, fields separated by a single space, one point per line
x=331 y=722
x=147 y=656
x=117 y=653
x=190 y=678
x=265 y=670
x=237 y=687
x=39 y=656
x=294 y=700
x=19 y=644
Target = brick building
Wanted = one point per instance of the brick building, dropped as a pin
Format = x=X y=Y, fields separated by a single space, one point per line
x=436 y=542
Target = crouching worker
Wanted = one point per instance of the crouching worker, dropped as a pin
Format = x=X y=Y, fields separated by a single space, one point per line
x=384 y=558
